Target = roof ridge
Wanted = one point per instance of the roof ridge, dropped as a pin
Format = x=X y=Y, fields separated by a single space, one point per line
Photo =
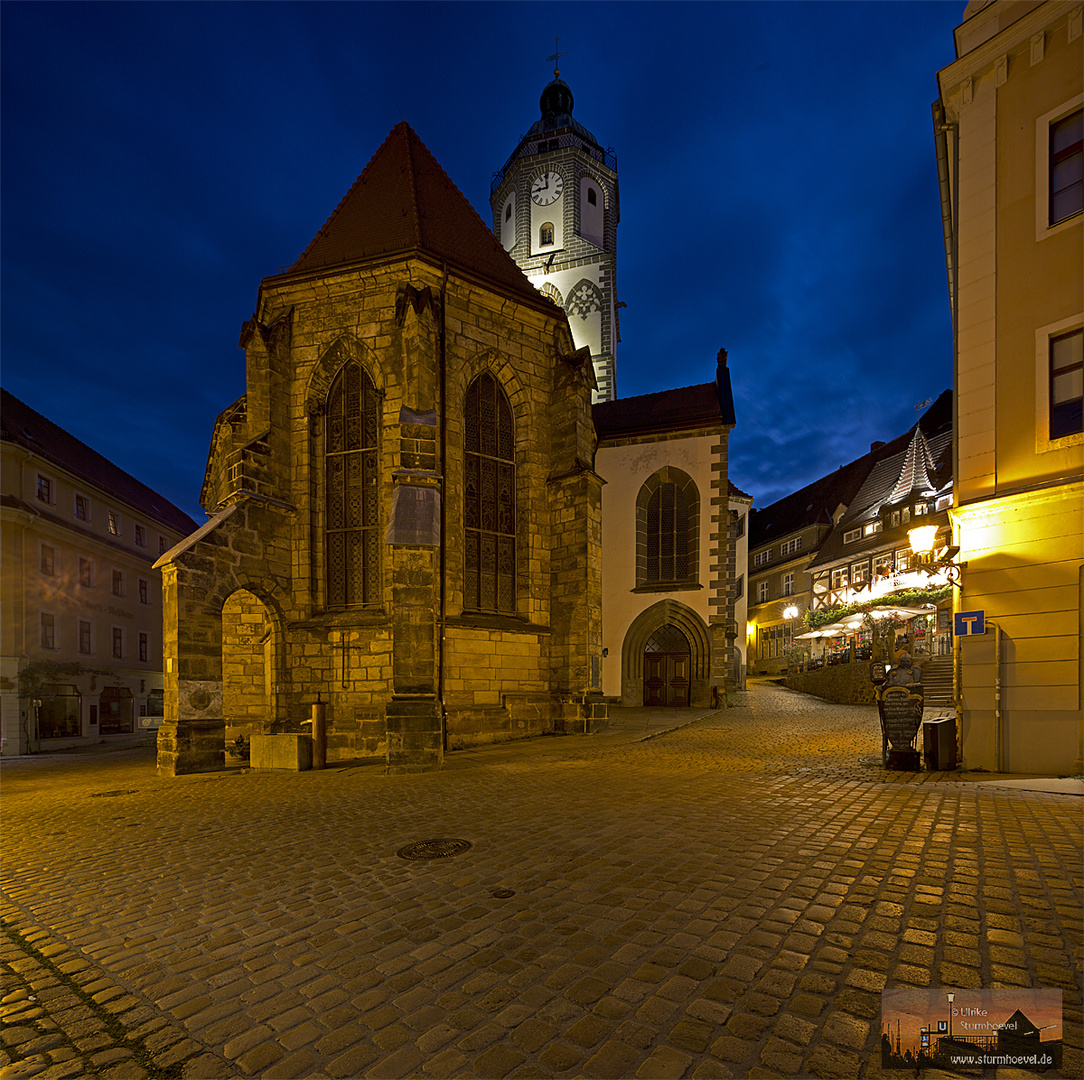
x=412 y=177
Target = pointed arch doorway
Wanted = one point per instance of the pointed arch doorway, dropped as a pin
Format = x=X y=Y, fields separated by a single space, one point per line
x=667 y=668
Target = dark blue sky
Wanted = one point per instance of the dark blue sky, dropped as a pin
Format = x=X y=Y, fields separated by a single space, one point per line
x=778 y=197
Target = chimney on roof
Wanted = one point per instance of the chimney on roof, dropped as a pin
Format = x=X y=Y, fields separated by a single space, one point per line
x=876 y=445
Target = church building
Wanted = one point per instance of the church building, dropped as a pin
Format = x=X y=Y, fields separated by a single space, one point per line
x=406 y=505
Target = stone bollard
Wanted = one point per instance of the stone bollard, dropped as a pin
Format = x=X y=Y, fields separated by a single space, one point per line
x=319 y=735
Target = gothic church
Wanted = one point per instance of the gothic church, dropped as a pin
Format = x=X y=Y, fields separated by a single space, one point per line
x=406 y=507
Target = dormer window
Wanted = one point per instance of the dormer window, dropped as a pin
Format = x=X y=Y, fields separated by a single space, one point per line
x=545 y=235
x=851 y=535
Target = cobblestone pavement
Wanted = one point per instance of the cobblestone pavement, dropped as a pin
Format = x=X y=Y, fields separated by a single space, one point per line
x=726 y=899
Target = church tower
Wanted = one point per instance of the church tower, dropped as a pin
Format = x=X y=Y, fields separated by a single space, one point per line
x=555 y=211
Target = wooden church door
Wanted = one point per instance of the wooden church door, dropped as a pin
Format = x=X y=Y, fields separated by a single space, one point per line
x=666 y=668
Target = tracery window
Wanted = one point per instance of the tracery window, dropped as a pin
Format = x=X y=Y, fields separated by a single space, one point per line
x=489 y=499
x=352 y=511
x=667 y=534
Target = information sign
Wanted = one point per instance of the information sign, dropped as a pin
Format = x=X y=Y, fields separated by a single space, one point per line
x=969 y=623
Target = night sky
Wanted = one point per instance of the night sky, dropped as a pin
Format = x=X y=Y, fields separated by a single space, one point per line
x=778 y=190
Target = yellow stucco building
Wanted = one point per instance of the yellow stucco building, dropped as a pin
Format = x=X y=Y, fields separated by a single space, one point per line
x=1008 y=125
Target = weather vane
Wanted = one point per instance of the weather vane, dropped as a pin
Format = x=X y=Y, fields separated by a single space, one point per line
x=556 y=58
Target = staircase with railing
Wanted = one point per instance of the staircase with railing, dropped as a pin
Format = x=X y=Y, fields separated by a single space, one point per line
x=937 y=681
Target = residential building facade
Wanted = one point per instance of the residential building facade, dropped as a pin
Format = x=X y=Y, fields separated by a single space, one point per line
x=81 y=622
x=1008 y=129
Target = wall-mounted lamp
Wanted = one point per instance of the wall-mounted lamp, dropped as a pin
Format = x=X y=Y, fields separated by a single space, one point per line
x=790 y=612
x=923 y=540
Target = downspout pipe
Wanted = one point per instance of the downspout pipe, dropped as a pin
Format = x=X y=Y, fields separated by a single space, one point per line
x=442 y=613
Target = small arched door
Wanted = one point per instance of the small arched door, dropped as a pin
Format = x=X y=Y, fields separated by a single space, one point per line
x=666 y=668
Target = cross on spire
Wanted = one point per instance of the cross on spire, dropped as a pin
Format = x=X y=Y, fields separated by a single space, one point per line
x=556 y=57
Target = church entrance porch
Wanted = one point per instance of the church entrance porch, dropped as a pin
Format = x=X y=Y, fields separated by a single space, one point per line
x=666 y=668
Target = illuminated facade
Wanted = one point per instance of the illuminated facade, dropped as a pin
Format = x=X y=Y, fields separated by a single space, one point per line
x=82 y=605
x=1008 y=126
x=555 y=211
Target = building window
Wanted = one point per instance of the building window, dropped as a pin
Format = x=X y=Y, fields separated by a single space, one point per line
x=59 y=713
x=762 y=557
x=118 y=583
x=739 y=587
x=762 y=592
x=118 y=643
x=859 y=573
x=82 y=507
x=86 y=572
x=45 y=490
x=872 y=528
x=788 y=584
x=144 y=591
x=903 y=560
x=839 y=579
x=113 y=520
x=48 y=560
x=352 y=511
x=489 y=499
x=882 y=565
x=790 y=547
x=140 y=536
x=545 y=235
x=741 y=526
x=86 y=637
x=1066 y=168
x=667 y=534
x=48 y=631
x=144 y=647
x=508 y=211
x=851 y=535
x=162 y=545
x=1066 y=384
x=592 y=196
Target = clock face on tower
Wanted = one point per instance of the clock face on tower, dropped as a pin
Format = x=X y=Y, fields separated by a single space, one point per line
x=547 y=188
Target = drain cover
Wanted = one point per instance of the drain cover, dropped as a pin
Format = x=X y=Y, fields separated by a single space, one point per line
x=434 y=849
x=502 y=894
x=112 y=794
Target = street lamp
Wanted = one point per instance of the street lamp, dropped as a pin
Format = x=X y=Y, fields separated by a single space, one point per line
x=951 y=998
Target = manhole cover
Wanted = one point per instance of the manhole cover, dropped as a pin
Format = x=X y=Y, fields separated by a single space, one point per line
x=434 y=849
x=112 y=794
x=502 y=894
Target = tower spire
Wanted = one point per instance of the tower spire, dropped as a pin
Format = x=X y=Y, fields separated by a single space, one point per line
x=556 y=57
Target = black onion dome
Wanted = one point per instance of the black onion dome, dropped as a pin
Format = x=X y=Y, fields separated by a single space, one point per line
x=556 y=100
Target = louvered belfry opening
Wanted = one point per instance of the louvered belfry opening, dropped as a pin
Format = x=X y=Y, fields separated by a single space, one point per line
x=351 y=460
x=667 y=534
x=490 y=499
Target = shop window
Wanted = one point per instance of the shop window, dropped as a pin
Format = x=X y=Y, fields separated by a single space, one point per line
x=1066 y=384
x=156 y=703
x=86 y=637
x=545 y=235
x=48 y=560
x=352 y=510
x=86 y=572
x=45 y=490
x=1067 y=167
x=116 y=711
x=59 y=713
x=489 y=500
x=48 y=630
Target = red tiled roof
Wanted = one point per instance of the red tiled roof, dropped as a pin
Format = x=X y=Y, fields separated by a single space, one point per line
x=20 y=424
x=405 y=202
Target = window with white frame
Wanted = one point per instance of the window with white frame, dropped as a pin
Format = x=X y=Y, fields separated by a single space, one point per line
x=1059 y=381
x=839 y=579
x=788 y=584
x=852 y=535
x=871 y=528
x=789 y=547
x=882 y=564
x=903 y=560
x=762 y=592
x=859 y=573
x=1059 y=193
x=762 y=557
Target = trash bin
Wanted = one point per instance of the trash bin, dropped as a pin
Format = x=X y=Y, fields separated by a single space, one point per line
x=939 y=744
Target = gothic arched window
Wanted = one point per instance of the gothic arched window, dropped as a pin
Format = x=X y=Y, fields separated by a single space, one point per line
x=351 y=523
x=668 y=530
x=545 y=235
x=489 y=579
